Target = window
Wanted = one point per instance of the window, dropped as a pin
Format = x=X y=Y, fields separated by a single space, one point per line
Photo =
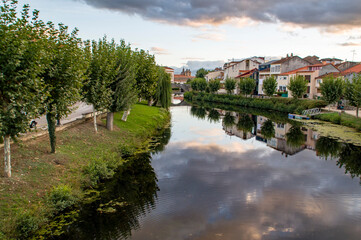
x=308 y=78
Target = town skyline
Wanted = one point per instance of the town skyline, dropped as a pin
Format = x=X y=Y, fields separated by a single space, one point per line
x=200 y=35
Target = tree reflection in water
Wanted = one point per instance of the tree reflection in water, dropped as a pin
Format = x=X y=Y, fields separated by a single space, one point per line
x=295 y=137
x=199 y=112
x=268 y=129
x=214 y=116
x=327 y=147
x=132 y=193
x=228 y=120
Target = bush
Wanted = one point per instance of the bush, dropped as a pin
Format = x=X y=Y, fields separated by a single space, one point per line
x=99 y=169
x=287 y=105
x=60 y=198
x=26 y=225
x=127 y=151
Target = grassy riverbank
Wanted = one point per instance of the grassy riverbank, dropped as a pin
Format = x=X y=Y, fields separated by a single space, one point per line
x=343 y=119
x=40 y=179
x=287 y=105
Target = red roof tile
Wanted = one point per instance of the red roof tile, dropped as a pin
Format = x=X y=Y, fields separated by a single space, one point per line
x=354 y=69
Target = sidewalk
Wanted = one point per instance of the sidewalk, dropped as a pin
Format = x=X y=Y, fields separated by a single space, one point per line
x=334 y=109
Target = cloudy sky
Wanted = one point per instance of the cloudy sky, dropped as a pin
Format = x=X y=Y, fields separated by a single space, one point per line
x=208 y=32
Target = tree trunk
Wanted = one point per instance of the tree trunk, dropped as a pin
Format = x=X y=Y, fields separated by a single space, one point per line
x=51 y=129
x=110 y=118
x=7 y=156
x=357 y=111
x=125 y=115
x=150 y=101
x=95 y=119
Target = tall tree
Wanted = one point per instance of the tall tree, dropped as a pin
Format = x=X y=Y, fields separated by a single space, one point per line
x=230 y=85
x=298 y=86
x=353 y=92
x=63 y=75
x=214 y=85
x=163 y=94
x=146 y=75
x=122 y=83
x=268 y=129
x=247 y=86
x=21 y=62
x=331 y=89
x=201 y=73
x=269 y=86
x=202 y=84
x=102 y=60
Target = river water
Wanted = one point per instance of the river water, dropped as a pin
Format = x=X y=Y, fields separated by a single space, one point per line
x=218 y=174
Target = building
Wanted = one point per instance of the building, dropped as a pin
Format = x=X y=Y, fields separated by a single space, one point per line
x=287 y=64
x=183 y=77
x=171 y=73
x=264 y=73
x=333 y=61
x=235 y=68
x=346 y=65
x=217 y=73
x=313 y=60
x=310 y=73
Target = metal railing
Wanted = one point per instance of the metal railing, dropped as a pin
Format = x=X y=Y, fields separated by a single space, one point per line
x=311 y=112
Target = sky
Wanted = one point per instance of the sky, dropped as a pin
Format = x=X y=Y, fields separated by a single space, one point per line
x=207 y=33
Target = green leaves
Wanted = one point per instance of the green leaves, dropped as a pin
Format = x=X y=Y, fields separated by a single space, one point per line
x=298 y=86
x=247 y=85
x=269 y=86
x=230 y=85
x=331 y=89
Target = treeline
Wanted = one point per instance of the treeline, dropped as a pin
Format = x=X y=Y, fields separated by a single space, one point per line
x=45 y=69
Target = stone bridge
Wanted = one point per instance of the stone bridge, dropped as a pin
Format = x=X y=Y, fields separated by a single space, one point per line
x=182 y=87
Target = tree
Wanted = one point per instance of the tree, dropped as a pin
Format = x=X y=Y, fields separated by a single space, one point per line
x=102 y=62
x=122 y=82
x=199 y=84
x=230 y=85
x=164 y=89
x=353 y=92
x=245 y=123
x=202 y=84
x=194 y=85
x=146 y=75
x=22 y=61
x=298 y=86
x=214 y=85
x=331 y=89
x=63 y=75
x=201 y=73
x=213 y=116
x=270 y=86
x=247 y=85
x=328 y=147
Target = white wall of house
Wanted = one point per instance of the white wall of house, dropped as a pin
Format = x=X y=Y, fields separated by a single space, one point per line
x=214 y=75
x=233 y=70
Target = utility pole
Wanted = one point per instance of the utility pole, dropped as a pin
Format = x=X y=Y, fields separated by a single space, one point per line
x=353 y=55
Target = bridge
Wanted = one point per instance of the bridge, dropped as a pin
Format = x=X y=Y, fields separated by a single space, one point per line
x=311 y=112
x=182 y=87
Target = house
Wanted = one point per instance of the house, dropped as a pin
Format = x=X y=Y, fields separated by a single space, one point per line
x=183 y=77
x=346 y=65
x=334 y=61
x=170 y=71
x=346 y=74
x=264 y=72
x=235 y=68
x=313 y=60
x=287 y=64
x=310 y=73
x=217 y=73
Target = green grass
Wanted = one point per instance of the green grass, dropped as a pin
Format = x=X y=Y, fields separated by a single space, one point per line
x=36 y=171
x=343 y=119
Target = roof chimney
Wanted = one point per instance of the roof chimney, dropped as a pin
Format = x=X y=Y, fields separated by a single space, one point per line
x=287 y=55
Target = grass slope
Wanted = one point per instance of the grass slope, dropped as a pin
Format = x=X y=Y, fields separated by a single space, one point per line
x=36 y=171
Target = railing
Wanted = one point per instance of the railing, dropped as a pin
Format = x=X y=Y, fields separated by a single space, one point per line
x=311 y=112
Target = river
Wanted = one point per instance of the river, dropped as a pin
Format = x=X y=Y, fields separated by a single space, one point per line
x=218 y=174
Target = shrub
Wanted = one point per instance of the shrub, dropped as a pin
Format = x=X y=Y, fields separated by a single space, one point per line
x=26 y=225
x=127 y=151
x=99 y=169
x=60 y=198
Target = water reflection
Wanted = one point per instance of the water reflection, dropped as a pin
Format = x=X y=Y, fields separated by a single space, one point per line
x=116 y=211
